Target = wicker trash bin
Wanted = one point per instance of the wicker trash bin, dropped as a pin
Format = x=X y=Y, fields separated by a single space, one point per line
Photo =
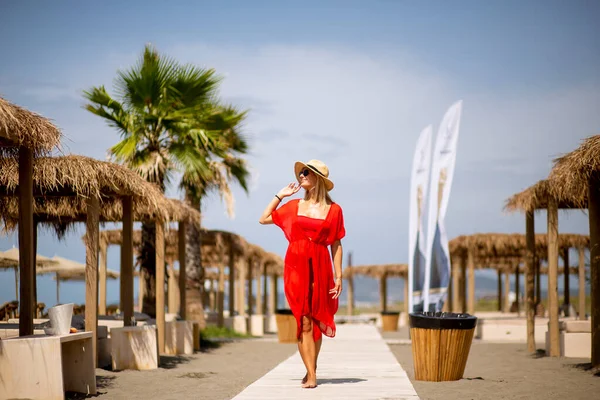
x=286 y=326
x=389 y=320
x=440 y=344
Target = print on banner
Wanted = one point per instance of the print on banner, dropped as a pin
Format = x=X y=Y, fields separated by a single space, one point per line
x=416 y=237
x=437 y=274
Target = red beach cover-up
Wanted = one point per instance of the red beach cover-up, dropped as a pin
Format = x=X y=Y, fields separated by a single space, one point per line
x=308 y=272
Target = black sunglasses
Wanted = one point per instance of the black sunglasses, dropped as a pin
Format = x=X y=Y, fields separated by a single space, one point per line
x=304 y=172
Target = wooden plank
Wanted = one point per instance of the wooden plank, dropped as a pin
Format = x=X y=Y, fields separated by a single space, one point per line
x=471 y=266
x=566 y=276
x=126 y=289
x=594 y=218
x=232 y=294
x=182 y=271
x=92 y=233
x=506 y=291
x=26 y=242
x=529 y=280
x=456 y=286
x=383 y=293
x=553 y=277
x=499 y=290
x=356 y=364
x=160 y=285
x=79 y=365
x=582 y=283
x=102 y=279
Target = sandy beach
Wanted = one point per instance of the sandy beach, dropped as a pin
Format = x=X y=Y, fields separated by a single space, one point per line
x=213 y=374
x=506 y=371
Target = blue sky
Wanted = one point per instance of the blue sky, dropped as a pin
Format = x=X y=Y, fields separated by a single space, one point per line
x=351 y=83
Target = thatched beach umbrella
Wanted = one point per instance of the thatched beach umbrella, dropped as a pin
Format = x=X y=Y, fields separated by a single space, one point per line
x=222 y=249
x=483 y=250
x=575 y=178
x=86 y=184
x=381 y=272
x=10 y=259
x=24 y=134
x=536 y=197
x=68 y=270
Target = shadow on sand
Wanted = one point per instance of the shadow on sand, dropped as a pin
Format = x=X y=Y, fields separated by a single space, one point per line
x=587 y=367
x=171 y=362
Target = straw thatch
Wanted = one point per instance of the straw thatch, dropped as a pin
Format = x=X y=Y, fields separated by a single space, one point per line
x=63 y=184
x=536 y=197
x=20 y=127
x=487 y=247
x=215 y=249
x=377 y=271
x=69 y=270
x=571 y=172
x=10 y=259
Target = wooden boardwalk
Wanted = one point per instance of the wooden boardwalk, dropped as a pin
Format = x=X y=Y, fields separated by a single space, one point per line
x=356 y=364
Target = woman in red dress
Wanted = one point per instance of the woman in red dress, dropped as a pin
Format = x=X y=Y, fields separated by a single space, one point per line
x=313 y=226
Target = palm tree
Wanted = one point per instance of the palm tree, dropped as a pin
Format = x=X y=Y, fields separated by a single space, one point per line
x=159 y=109
x=227 y=167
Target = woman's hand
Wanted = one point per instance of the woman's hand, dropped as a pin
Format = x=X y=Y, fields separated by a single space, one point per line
x=289 y=190
x=337 y=290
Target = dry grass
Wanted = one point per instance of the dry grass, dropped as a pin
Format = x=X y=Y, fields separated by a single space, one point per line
x=20 y=127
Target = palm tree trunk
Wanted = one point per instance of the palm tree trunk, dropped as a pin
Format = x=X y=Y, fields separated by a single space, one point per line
x=147 y=259
x=194 y=269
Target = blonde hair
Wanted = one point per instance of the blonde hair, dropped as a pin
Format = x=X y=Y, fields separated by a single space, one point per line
x=321 y=194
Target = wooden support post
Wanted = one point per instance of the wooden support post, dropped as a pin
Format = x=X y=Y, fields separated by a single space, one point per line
x=35 y=298
x=471 y=266
x=553 y=277
x=463 y=285
x=160 y=285
x=582 y=283
x=350 y=279
x=265 y=292
x=566 y=276
x=232 y=296
x=275 y=292
x=456 y=287
x=271 y=305
x=249 y=278
x=26 y=244
x=594 y=218
x=506 y=291
x=499 y=290
x=172 y=291
x=383 y=292
x=182 y=271
x=102 y=278
x=57 y=289
x=259 y=289
x=529 y=280
x=241 y=288
x=126 y=288
x=406 y=294
x=92 y=233
x=517 y=287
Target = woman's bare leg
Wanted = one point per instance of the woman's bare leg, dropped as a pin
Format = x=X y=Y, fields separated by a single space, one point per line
x=308 y=352
x=318 y=349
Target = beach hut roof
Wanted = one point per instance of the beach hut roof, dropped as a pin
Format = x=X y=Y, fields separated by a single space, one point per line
x=214 y=251
x=21 y=127
x=488 y=248
x=571 y=172
x=377 y=271
x=536 y=197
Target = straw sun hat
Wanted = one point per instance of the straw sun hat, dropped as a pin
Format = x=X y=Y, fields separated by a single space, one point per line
x=318 y=167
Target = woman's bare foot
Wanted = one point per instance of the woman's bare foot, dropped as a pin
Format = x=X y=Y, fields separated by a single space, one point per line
x=306 y=377
x=311 y=382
